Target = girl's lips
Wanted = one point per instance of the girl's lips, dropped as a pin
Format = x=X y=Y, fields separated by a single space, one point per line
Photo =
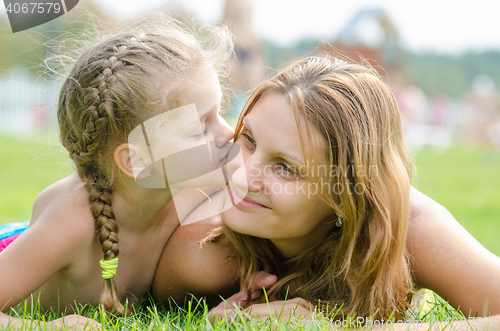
x=245 y=202
x=224 y=159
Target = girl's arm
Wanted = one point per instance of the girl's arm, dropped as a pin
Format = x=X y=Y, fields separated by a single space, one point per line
x=49 y=245
x=448 y=260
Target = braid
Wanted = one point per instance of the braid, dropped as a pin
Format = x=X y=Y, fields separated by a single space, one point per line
x=107 y=229
x=99 y=118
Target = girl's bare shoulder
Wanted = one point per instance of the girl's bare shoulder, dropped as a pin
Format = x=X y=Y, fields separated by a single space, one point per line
x=65 y=204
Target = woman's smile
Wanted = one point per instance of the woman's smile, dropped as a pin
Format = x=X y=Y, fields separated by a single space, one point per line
x=245 y=202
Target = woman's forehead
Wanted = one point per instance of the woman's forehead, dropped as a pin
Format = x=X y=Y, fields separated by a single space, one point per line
x=273 y=117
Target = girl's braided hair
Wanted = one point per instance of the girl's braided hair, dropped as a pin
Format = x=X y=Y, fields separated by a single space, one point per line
x=116 y=84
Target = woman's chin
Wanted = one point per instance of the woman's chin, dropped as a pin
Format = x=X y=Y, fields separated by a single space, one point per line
x=232 y=219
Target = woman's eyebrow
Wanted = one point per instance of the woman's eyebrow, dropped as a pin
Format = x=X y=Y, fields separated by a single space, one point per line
x=245 y=123
x=281 y=153
x=290 y=156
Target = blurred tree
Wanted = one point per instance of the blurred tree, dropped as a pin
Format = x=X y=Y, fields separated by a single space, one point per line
x=452 y=74
x=27 y=49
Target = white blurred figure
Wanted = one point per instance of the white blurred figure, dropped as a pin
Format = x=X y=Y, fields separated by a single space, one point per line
x=413 y=106
x=481 y=117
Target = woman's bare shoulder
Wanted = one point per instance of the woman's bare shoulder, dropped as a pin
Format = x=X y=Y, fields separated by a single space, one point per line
x=188 y=266
x=444 y=257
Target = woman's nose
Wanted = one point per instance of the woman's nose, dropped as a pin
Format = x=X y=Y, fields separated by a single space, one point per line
x=249 y=176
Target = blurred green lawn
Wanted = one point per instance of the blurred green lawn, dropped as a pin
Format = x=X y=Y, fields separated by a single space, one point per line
x=467 y=182
x=28 y=164
x=464 y=180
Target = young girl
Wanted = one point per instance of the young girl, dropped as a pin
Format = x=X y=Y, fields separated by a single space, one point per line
x=330 y=209
x=82 y=224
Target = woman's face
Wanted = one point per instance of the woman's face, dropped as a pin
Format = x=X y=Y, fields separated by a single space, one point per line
x=282 y=204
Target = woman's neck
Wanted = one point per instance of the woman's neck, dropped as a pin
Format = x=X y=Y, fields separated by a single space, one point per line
x=292 y=247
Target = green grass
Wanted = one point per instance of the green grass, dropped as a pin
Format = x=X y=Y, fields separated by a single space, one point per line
x=195 y=316
x=28 y=164
x=464 y=180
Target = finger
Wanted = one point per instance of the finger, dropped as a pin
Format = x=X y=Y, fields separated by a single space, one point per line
x=219 y=313
x=92 y=325
x=262 y=310
x=262 y=279
x=237 y=299
x=223 y=308
x=285 y=308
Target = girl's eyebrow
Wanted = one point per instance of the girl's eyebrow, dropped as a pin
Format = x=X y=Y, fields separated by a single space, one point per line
x=209 y=110
x=282 y=153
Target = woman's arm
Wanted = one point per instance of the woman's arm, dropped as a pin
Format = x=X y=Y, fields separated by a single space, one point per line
x=298 y=313
x=187 y=267
x=448 y=260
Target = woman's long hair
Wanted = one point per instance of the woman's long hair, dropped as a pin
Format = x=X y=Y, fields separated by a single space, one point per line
x=361 y=267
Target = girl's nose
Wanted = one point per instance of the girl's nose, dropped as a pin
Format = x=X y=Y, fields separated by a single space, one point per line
x=224 y=133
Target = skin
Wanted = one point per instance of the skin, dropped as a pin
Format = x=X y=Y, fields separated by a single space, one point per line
x=445 y=257
x=57 y=257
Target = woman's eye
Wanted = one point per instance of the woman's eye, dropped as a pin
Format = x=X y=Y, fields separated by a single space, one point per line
x=286 y=170
x=248 y=138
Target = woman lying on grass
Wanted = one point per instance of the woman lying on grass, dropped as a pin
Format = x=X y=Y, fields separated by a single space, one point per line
x=330 y=209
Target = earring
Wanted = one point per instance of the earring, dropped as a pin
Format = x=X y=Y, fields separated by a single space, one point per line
x=340 y=221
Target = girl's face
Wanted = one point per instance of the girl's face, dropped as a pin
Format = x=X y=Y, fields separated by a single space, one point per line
x=282 y=204
x=206 y=95
x=186 y=142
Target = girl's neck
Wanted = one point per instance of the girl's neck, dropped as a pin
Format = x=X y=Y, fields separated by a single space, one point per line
x=141 y=208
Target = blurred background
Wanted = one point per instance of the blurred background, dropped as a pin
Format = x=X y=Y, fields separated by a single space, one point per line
x=440 y=58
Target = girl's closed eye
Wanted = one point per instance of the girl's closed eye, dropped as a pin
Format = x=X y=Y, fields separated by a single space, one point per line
x=201 y=134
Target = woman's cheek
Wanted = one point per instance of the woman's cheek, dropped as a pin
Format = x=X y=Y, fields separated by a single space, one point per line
x=283 y=195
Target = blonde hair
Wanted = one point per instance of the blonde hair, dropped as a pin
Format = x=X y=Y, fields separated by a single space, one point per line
x=116 y=84
x=362 y=267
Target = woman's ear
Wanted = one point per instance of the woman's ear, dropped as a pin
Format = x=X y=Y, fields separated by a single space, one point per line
x=128 y=161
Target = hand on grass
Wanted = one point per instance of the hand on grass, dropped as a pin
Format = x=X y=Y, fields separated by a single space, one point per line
x=75 y=322
x=261 y=280
x=236 y=304
x=296 y=307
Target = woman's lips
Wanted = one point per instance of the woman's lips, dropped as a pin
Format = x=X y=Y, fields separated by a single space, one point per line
x=245 y=202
